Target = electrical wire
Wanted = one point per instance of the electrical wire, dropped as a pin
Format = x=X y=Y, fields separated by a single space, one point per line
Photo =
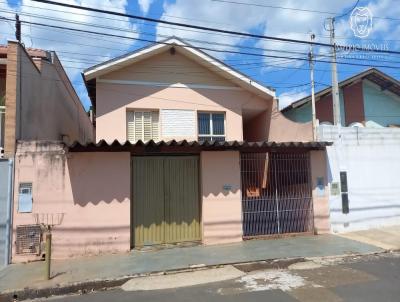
x=198 y=48
x=210 y=29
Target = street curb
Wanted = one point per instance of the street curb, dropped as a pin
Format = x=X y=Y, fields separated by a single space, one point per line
x=59 y=290
x=106 y=284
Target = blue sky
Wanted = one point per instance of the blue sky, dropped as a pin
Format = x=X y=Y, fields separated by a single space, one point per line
x=289 y=77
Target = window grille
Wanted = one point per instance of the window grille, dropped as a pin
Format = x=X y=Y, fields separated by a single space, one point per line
x=28 y=239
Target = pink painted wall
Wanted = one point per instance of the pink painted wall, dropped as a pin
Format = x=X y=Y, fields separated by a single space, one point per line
x=319 y=168
x=221 y=211
x=113 y=100
x=256 y=129
x=284 y=130
x=92 y=189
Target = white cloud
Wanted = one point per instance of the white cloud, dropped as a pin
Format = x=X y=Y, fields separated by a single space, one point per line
x=246 y=18
x=145 y=5
x=77 y=50
x=210 y=14
x=291 y=96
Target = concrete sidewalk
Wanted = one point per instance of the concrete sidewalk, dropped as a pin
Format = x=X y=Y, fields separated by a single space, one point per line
x=387 y=238
x=117 y=267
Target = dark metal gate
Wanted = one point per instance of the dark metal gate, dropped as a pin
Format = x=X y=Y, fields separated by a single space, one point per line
x=276 y=193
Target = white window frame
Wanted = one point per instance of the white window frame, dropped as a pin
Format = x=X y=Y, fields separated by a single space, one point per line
x=151 y=111
x=211 y=125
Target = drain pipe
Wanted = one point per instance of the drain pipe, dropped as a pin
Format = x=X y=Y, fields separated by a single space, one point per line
x=9 y=211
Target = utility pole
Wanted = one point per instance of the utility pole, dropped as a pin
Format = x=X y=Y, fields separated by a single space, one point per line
x=335 y=85
x=17 y=28
x=314 y=117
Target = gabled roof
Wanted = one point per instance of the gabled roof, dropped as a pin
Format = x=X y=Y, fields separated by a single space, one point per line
x=185 y=48
x=374 y=75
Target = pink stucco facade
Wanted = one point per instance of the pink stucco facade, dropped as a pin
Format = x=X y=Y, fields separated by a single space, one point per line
x=221 y=213
x=284 y=130
x=91 y=189
x=162 y=82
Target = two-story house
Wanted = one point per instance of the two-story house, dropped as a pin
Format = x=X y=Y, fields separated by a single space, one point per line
x=188 y=150
x=365 y=156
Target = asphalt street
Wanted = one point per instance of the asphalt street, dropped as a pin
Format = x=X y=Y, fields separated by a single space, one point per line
x=368 y=278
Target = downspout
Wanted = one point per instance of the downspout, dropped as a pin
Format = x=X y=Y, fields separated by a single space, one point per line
x=7 y=259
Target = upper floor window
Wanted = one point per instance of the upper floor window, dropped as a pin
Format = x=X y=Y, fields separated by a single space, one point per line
x=142 y=125
x=211 y=126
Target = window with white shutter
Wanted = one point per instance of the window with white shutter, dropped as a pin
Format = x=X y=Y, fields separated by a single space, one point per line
x=142 y=125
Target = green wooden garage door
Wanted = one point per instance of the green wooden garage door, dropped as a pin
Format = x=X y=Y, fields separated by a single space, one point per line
x=165 y=200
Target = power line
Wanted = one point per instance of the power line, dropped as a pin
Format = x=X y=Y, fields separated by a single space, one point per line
x=297 y=85
x=108 y=18
x=144 y=33
x=118 y=91
x=199 y=48
x=150 y=34
x=244 y=34
x=172 y=100
x=349 y=11
x=178 y=23
x=188 y=30
x=143 y=40
x=255 y=64
x=192 y=40
x=272 y=65
x=192 y=74
x=275 y=7
x=301 y=9
x=233 y=46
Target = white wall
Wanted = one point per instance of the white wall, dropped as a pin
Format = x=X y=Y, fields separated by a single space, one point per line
x=177 y=124
x=371 y=158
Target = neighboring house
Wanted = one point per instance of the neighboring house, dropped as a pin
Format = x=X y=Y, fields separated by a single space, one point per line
x=363 y=161
x=188 y=150
x=370 y=98
x=37 y=103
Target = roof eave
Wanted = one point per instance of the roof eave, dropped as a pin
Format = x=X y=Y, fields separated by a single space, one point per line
x=241 y=79
x=343 y=83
